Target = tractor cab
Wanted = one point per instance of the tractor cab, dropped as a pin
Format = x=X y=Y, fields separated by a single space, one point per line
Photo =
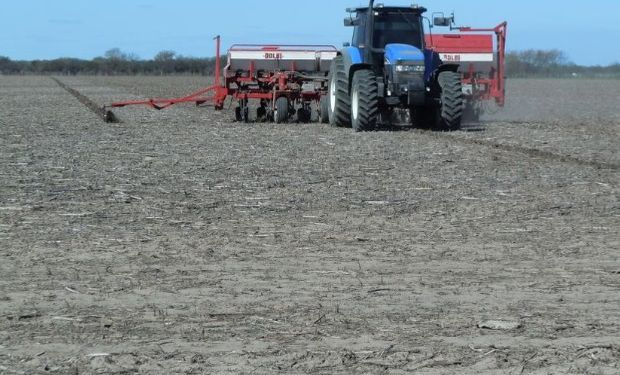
x=385 y=26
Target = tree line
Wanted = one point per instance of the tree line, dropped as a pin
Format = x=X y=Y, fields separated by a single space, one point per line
x=519 y=64
x=553 y=64
x=113 y=62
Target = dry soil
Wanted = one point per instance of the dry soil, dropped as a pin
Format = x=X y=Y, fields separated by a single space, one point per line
x=181 y=242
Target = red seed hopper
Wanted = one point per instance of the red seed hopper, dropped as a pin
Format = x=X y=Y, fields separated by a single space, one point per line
x=481 y=54
x=285 y=79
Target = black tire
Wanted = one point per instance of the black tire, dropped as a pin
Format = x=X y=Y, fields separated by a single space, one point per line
x=364 y=101
x=246 y=115
x=282 y=108
x=324 y=109
x=303 y=115
x=339 y=108
x=261 y=113
x=452 y=102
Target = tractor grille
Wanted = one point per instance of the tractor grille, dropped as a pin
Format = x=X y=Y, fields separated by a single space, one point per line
x=406 y=77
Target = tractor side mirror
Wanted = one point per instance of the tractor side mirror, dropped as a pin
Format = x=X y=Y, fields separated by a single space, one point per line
x=442 y=21
x=349 y=22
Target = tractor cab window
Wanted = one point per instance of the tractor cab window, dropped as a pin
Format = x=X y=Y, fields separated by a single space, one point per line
x=359 y=33
x=397 y=27
x=390 y=27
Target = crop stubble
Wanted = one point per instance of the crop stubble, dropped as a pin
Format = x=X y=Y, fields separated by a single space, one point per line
x=180 y=242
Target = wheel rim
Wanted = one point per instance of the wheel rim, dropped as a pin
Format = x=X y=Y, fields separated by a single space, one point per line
x=332 y=95
x=354 y=103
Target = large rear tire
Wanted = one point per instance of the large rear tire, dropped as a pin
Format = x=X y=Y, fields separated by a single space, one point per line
x=364 y=101
x=339 y=109
x=452 y=102
x=282 y=110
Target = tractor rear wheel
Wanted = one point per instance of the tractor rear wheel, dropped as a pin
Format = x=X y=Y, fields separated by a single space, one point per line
x=452 y=103
x=364 y=101
x=324 y=110
x=339 y=109
x=282 y=110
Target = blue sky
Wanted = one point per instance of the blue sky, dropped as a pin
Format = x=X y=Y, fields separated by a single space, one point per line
x=42 y=29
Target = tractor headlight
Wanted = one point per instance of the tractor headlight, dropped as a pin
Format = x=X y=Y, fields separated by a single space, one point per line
x=402 y=68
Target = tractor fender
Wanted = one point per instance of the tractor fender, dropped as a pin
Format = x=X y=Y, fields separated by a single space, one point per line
x=434 y=66
x=353 y=61
x=448 y=67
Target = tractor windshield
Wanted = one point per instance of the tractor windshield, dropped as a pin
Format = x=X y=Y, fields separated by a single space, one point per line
x=397 y=27
x=391 y=26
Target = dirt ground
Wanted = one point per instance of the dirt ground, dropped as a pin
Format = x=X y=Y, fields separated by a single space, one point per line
x=179 y=242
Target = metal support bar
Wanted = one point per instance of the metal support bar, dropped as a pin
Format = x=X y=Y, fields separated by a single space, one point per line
x=219 y=92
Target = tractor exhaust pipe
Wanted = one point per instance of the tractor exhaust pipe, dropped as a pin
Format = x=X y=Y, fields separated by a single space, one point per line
x=370 y=21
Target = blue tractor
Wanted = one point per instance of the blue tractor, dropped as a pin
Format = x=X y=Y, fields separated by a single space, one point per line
x=387 y=76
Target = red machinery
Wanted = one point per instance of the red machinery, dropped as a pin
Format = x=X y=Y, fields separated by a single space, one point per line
x=481 y=60
x=283 y=77
x=217 y=91
x=280 y=77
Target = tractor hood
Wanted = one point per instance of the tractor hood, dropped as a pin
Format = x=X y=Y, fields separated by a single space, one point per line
x=402 y=53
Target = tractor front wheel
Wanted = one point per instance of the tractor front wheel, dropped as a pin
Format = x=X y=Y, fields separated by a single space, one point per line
x=452 y=103
x=339 y=108
x=364 y=101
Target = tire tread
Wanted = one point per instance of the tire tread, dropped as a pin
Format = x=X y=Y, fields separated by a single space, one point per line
x=368 y=113
x=452 y=100
x=342 y=112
